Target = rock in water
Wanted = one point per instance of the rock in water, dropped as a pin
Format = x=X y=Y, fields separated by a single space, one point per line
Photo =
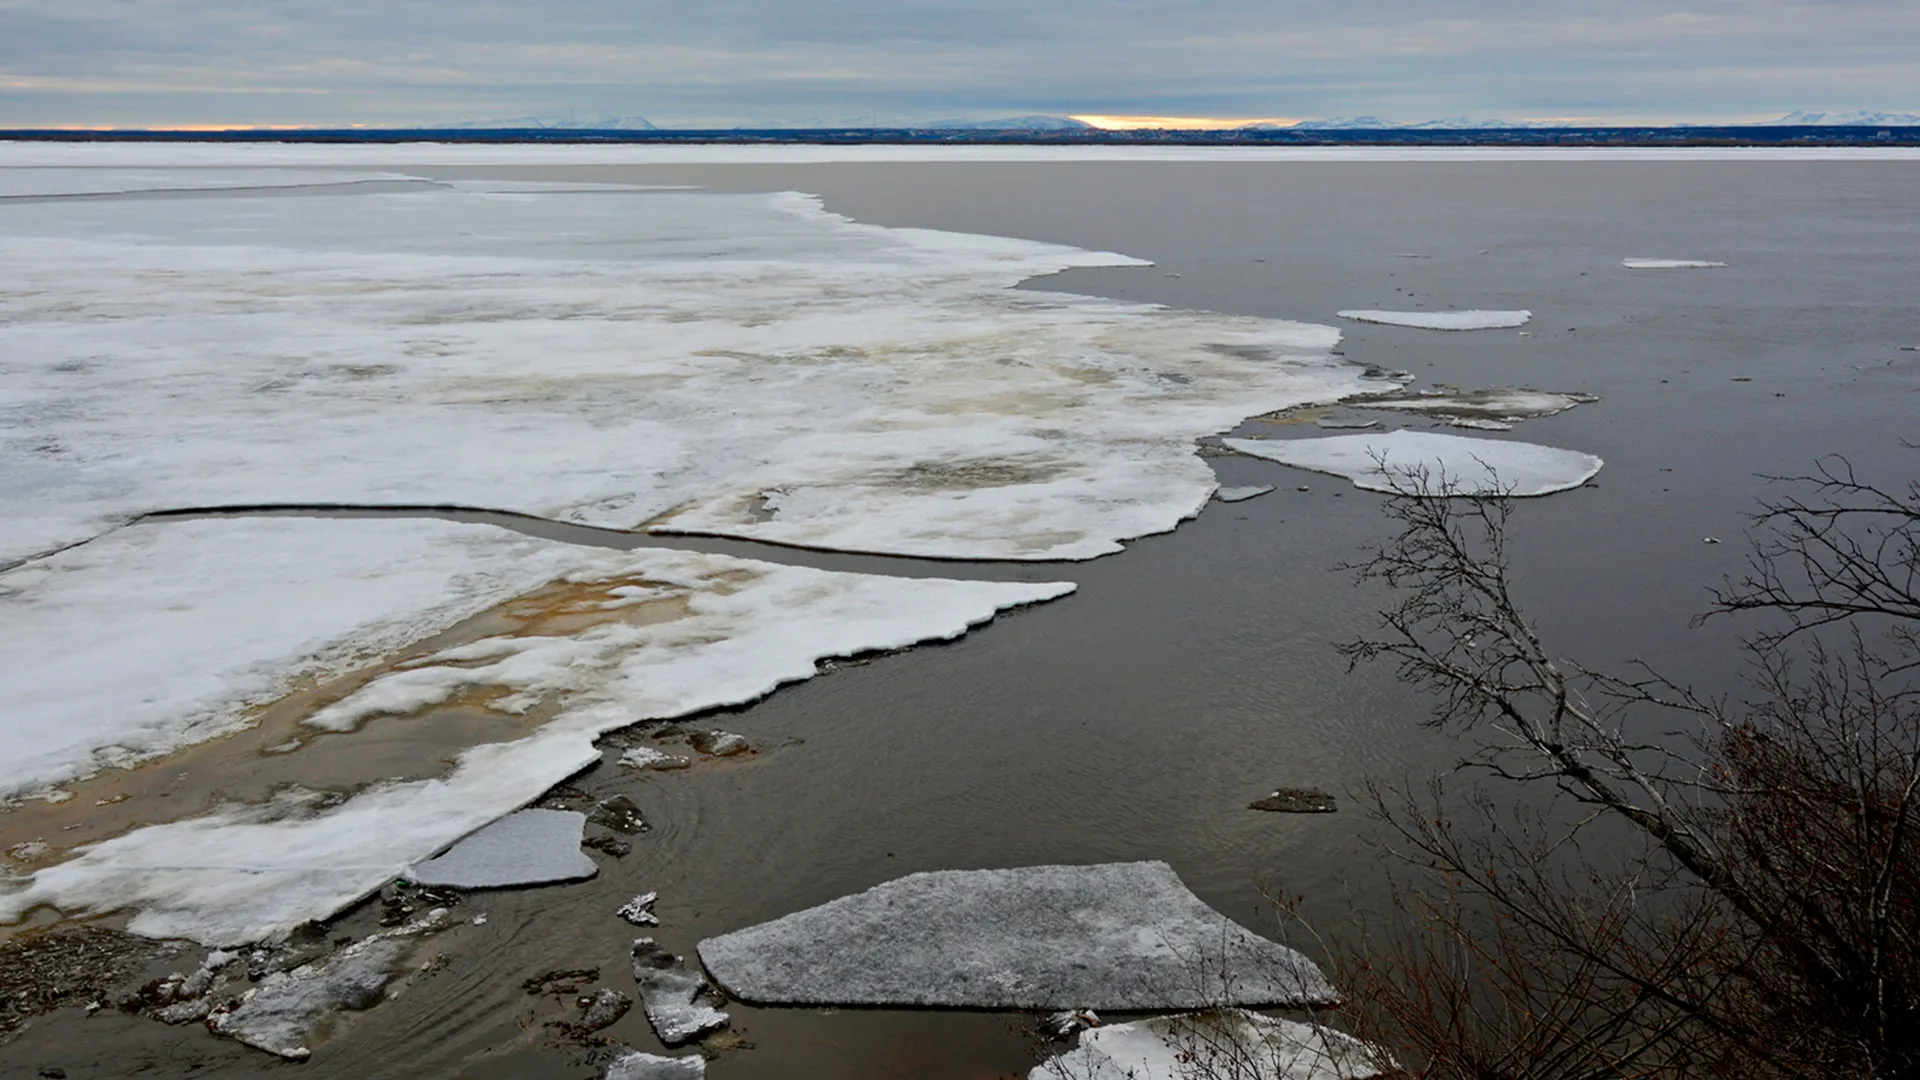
x=675 y=999
x=281 y=1014
x=1296 y=801
x=634 y=1065
x=528 y=847
x=1115 y=936
x=1200 y=1046
x=719 y=743
x=620 y=814
x=604 y=1009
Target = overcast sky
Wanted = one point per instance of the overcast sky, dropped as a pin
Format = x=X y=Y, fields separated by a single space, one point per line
x=725 y=62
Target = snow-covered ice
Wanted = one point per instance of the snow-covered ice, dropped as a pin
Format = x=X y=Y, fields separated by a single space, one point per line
x=52 y=180
x=636 y=1065
x=527 y=847
x=1111 y=936
x=679 y=1003
x=1452 y=464
x=1669 y=264
x=1443 y=320
x=1494 y=403
x=163 y=634
x=1221 y=1043
x=246 y=872
x=685 y=361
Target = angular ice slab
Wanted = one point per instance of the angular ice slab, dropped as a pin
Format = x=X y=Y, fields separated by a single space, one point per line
x=1669 y=264
x=1443 y=320
x=1212 y=1045
x=1394 y=461
x=528 y=847
x=635 y=1065
x=1242 y=494
x=1111 y=936
x=679 y=1003
x=1494 y=403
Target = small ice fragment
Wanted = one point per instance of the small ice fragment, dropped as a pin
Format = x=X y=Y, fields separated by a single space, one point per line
x=1710 y=539
x=1480 y=423
x=529 y=847
x=1493 y=403
x=1344 y=423
x=1443 y=320
x=634 y=1065
x=646 y=757
x=1412 y=255
x=719 y=743
x=1296 y=801
x=28 y=850
x=1395 y=461
x=1669 y=264
x=639 y=910
x=480 y=919
x=674 y=998
x=1109 y=936
x=603 y=1009
x=1241 y=494
x=1193 y=1046
x=620 y=814
x=1067 y=1021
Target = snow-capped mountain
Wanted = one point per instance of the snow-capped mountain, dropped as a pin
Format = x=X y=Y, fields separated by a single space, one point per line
x=1010 y=123
x=1857 y=118
x=1449 y=123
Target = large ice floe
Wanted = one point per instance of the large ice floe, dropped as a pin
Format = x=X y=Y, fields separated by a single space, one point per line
x=1213 y=1045
x=1428 y=463
x=711 y=631
x=1443 y=320
x=686 y=361
x=1111 y=936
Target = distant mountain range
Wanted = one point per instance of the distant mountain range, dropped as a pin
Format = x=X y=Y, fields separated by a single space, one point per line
x=519 y=123
x=1847 y=119
x=1011 y=123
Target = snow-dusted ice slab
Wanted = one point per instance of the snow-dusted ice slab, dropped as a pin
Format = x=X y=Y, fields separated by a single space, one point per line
x=528 y=847
x=685 y=361
x=164 y=634
x=1111 y=936
x=739 y=629
x=1206 y=1046
x=1396 y=461
x=1670 y=264
x=1443 y=320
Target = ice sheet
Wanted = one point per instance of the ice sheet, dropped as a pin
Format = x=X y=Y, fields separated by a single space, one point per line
x=1206 y=1046
x=1112 y=936
x=690 y=361
x=44 y=181
x=1457 y=464
x=164 y=634
x=1443 y=320
x=527 y=847
x=1669 y=264
x=742 y=628
x=1494 y=403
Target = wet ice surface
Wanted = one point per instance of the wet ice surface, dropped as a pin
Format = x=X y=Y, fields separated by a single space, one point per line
x=528 y=847
x=1669 y=264
x=1443 y=320
x=678 y=1002
x=1203 y=1046
x=635 y=1065
x=740 y=629
x=1438 y=464
x=690 y=361
x=1242 y=494
x=1496 y=403
x=1110 y=936
x=41 y=182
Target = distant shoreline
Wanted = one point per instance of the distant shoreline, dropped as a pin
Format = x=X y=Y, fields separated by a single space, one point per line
x=1691 y=136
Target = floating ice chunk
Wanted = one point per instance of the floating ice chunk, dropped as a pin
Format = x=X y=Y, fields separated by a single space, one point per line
x=1443 y=320
x=1480 y=423
x=603 y=1009
x=282 y=1014
x=1496 y=403
x=243 y=873
x=1453 y=464
x=675 y=999
x=634 y=1065
x=1669 y=264
x=646 y=757
x=529 y=847
x=639 y=910
x=1111 y=936
x=1221 y=1043
x=1242 y=494
x=1346 y=423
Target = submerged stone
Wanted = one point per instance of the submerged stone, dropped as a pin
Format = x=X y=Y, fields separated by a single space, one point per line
x=1112 y=936
x=528 y=847
x=1222 y=1043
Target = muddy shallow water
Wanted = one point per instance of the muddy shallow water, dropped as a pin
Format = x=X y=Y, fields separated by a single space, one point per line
x=1196 y=672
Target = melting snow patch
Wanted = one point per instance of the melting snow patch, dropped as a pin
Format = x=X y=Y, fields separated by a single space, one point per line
x=1242 y=494
x=1443 y=320
x=1402 y=461
x=1111 y=936
x=530 y=847
x=634 y=1065
x=1669 y=264
x=1202 y=1046
x=676 y=1000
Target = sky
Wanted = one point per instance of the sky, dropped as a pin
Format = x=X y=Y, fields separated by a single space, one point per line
x=722 y=63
